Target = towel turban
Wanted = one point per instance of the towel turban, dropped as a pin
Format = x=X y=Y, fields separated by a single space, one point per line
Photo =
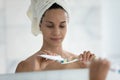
x=36 y=10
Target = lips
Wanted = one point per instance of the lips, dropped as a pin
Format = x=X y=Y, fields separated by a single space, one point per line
x=56 y=39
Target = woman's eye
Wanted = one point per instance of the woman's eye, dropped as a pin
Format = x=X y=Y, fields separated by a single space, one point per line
x=62 y=26
x=50 y=26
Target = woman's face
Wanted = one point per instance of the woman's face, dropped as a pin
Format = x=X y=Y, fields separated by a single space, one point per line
x=54 y=26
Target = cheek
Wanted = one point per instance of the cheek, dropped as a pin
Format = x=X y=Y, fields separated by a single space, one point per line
x=65 y=30
x=45 y=33
x=44 y=30
x=45 y=36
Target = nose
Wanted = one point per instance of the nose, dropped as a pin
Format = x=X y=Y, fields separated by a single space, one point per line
x=56 y=31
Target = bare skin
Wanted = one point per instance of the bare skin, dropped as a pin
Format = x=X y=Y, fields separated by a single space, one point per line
x=99 y=69
x=36 y=63
x=53 y=28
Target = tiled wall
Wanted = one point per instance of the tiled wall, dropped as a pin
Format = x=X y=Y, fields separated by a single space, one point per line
x=17 y=42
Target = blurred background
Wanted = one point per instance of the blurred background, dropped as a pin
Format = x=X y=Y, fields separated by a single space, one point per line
x=94 y=25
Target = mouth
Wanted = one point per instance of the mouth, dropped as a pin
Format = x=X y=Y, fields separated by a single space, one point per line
x=56 y=39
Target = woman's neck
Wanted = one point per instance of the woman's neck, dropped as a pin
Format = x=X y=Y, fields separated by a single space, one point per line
x=54 y=49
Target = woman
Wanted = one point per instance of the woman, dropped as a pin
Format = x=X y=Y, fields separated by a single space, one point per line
x=51 y=18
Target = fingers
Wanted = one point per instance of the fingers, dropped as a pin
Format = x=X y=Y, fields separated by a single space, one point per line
x=80 y=57
x=92 y=57
x=46 y=52
x=43 y=62
x=86 y=56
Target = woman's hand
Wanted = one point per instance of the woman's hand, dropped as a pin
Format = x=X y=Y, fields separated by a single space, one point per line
x=85 y=58
x=43 y=61
x=99 y=69
x=34 y=63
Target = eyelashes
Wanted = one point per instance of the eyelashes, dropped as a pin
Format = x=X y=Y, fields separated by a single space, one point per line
x=51 y=26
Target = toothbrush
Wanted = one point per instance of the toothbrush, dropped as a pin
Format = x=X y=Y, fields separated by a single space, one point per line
x=58 y=59
x=65 y=61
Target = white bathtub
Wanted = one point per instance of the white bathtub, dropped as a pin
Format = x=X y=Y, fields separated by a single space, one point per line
x=76 y=74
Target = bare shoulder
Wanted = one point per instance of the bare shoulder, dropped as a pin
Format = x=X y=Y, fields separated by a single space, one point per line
x=26 y=65
x=23 y=66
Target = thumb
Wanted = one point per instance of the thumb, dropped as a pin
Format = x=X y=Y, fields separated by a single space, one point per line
x=80 y=57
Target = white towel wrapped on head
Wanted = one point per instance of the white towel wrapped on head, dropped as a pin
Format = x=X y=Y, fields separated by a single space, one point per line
x=38 y=8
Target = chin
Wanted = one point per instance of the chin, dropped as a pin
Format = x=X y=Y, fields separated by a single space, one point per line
x=56 y=44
